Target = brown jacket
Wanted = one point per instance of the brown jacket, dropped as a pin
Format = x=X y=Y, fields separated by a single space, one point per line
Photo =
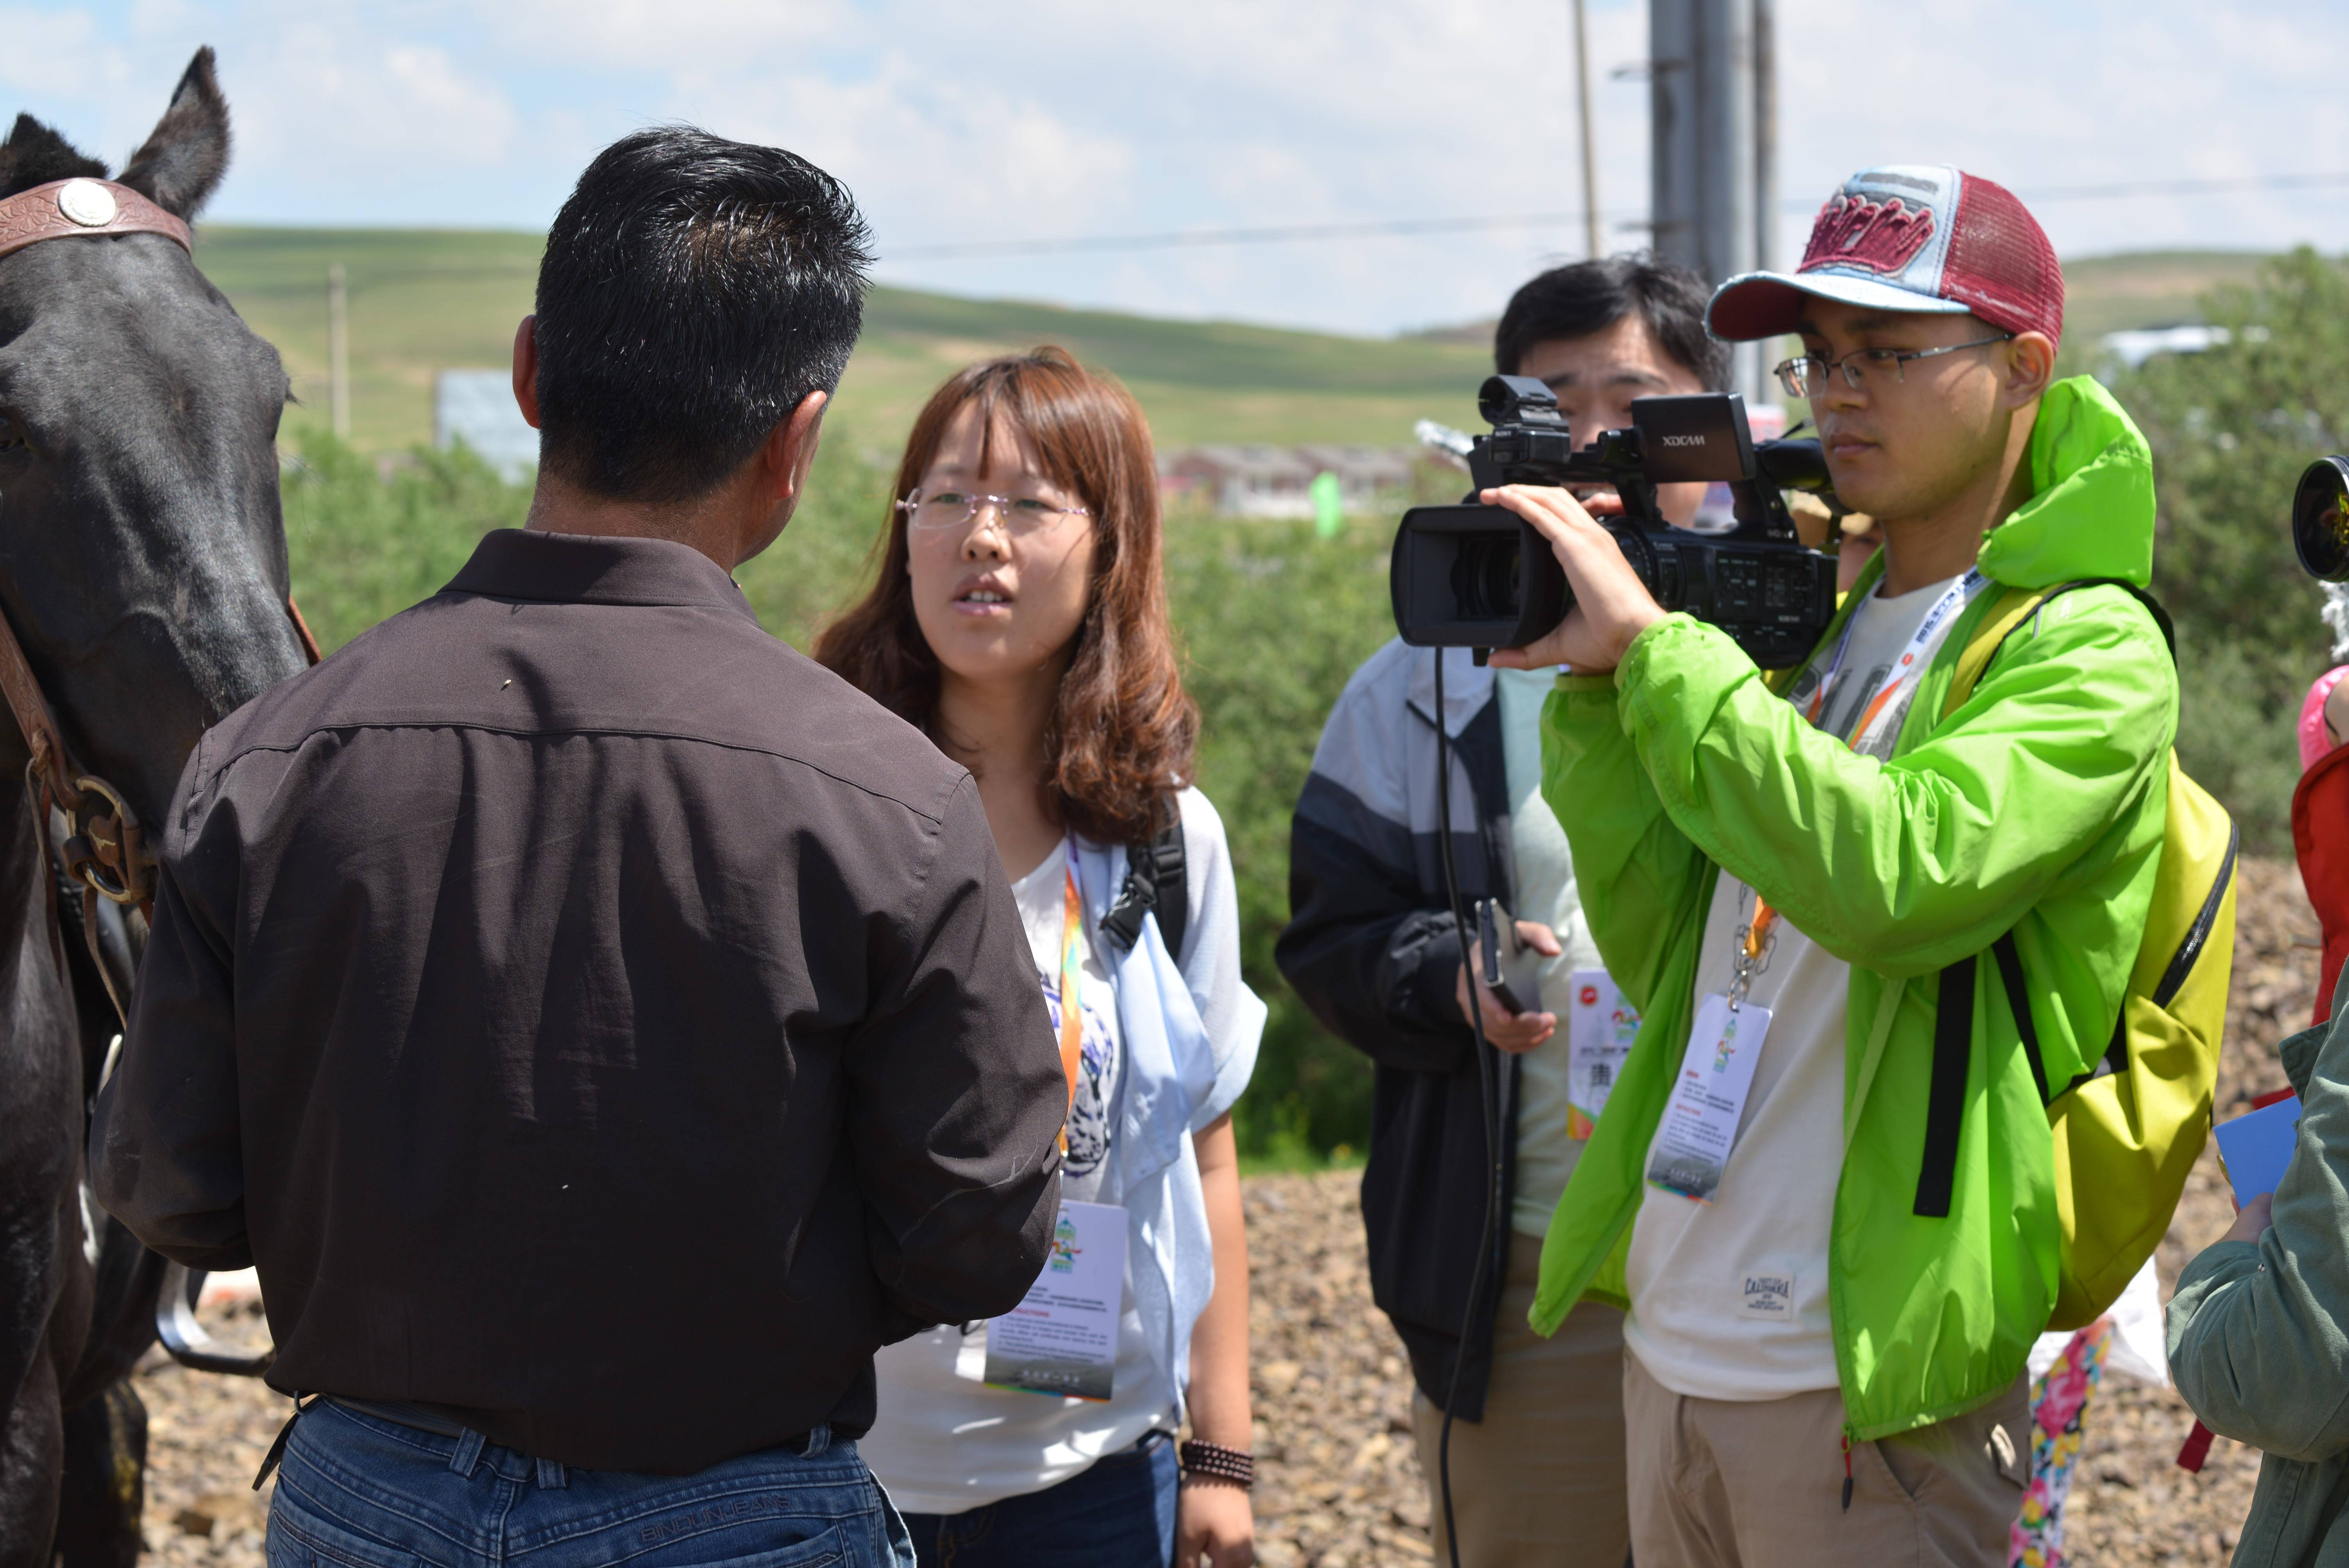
x=596 y=1021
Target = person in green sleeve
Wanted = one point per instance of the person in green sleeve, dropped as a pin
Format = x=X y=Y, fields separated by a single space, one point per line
x=1829 y=1302
x=2255 y=1328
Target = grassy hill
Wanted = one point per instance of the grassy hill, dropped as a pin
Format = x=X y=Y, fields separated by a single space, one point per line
x=422 y=301
x=2147 y=288
x=426 y=299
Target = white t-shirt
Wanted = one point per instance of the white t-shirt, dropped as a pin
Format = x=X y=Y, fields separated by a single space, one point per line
x=946 y=1444
x=1546 y=891
x=1729 y=1299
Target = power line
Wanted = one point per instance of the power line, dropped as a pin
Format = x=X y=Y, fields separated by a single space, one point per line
x=1184 y=239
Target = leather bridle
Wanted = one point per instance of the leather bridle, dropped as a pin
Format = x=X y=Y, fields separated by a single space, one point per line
x=105 y=848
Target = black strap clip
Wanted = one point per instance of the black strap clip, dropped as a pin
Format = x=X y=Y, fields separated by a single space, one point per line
x=301 y=1403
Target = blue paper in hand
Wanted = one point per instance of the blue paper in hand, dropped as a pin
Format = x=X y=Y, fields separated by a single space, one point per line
x=2257 y=1147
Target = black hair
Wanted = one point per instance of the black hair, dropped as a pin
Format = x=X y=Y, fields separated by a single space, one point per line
x=694 y=292
x=1591 y=297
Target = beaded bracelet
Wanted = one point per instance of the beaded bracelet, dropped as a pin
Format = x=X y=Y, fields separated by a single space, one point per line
x=1215 y=1463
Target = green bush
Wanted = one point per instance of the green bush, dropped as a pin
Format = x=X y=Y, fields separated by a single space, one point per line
x=2232 y=429
x=1273 y=621
x=366 y=542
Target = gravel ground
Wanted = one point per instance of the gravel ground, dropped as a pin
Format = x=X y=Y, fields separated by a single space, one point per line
x=1339 y=1484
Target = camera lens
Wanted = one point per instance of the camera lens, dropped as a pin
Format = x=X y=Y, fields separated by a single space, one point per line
x=2320 y=519
x=1485 y=577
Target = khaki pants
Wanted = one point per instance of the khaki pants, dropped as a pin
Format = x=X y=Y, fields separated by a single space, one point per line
x=1539 y=1480
x=1716 y=1483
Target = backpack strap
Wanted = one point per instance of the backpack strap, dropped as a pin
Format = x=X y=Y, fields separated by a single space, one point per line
x=1953 y=1030
x=2021 y=604
x=1945 y=1105
x=1953 y=1013
x=2018 y=1002
x=1157 y=881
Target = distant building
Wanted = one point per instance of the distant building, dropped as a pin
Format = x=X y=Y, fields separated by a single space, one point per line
x=1364 y=472
x=1240 y=480
x=2135 y=346
x=478 y=407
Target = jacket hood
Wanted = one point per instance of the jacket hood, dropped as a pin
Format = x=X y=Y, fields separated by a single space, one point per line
x=2091 y=510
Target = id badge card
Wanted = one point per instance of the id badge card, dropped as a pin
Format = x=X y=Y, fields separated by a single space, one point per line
x=1062 y=1337
x=1700 y=1126
x=1600 y=1029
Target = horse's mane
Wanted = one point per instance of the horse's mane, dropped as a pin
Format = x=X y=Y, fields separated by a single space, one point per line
x=34 y=155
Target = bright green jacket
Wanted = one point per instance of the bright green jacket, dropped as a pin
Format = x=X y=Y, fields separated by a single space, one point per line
x=2036 y=807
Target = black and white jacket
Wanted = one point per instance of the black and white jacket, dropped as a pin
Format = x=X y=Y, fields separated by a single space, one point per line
x=1372 y=948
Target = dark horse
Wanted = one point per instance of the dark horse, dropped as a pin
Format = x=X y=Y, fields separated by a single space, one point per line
x=142 y=567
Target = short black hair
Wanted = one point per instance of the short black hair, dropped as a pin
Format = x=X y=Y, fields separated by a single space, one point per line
x=1591 y=297
x=694 y=292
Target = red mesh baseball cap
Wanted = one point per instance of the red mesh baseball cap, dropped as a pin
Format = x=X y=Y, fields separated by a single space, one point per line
x=1909 y=238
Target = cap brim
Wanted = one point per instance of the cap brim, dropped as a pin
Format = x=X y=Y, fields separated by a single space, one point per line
x=1770 y=304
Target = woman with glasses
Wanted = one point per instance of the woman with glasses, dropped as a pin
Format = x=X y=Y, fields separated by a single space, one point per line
x=1019 y=619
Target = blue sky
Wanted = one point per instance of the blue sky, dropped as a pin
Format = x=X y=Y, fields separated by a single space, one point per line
x=1088 y=117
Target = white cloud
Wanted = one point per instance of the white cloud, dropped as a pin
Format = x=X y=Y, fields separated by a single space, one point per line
x=689 y=37
x=1073 y=117
x=55 y=52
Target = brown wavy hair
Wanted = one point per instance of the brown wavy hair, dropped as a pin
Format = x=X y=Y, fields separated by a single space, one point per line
x=1122 y=729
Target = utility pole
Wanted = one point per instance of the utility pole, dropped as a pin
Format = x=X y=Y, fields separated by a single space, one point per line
x=1712 y=119
x=338 y=351
x=1765 y=134
x=1590 y=226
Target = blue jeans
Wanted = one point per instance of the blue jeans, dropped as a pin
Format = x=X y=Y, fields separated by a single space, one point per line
x=355 y=1490
x=1117 y=1513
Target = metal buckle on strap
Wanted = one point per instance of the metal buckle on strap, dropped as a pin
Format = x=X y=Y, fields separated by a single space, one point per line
x=106 y=851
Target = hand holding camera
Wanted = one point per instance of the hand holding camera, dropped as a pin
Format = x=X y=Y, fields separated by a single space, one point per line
x=1611 y=605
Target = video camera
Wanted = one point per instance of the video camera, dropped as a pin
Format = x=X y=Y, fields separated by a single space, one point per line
x=1479 y=577
x=2320 y=519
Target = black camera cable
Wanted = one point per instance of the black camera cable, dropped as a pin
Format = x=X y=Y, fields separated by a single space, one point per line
x=1487 y=1082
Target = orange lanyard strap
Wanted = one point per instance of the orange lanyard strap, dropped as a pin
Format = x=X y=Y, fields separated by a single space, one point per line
x=1752 y=942
x=1073 y=971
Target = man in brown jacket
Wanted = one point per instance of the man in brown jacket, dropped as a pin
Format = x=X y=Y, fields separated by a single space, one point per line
x=602 y=1027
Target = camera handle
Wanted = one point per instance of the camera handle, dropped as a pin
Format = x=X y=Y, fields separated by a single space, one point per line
x=1762 y=513
x=1638 y=494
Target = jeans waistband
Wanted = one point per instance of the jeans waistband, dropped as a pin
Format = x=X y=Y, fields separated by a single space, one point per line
x=806 y=1445
x=403 y=1414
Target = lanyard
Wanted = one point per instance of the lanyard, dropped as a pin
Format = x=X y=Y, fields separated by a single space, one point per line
x=1753 y=940
x=1072 y=966
x=1908 y=665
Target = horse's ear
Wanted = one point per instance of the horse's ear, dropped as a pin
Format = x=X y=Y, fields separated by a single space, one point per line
x=34 y=155
x=186 y=153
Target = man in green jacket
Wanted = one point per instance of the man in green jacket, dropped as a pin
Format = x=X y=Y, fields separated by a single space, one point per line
x=2256 y=1330
x=1831 y=1292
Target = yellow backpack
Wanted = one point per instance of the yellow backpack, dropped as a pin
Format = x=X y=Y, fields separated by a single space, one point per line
x=2128 y=1132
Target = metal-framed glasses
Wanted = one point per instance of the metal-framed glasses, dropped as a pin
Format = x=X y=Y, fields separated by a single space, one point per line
x=1806 y=375
x=955 y=509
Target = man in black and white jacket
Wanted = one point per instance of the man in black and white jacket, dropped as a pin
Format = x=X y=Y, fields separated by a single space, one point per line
x=1372 y=948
